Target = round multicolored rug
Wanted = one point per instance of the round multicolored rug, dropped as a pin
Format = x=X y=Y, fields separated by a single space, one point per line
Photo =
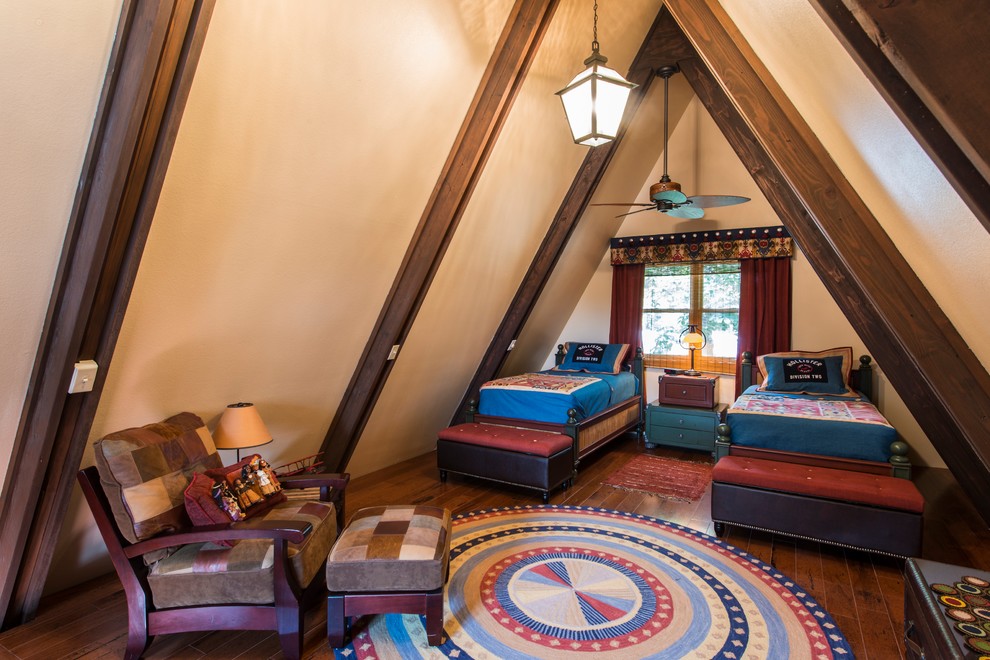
x=577 y=582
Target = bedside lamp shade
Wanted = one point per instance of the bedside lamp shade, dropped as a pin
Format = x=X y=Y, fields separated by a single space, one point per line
x=693 y=339
x=240 y=427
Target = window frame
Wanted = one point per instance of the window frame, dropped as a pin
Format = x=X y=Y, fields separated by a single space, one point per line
x=708 y=364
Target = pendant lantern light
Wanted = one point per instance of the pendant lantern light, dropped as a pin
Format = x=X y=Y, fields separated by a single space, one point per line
x=595 y=99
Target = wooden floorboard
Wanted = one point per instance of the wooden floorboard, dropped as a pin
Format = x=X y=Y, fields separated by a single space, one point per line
x=863 y=592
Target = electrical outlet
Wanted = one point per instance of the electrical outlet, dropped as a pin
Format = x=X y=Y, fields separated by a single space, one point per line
x=394 y=352
x=83 y=377
x=512 y=344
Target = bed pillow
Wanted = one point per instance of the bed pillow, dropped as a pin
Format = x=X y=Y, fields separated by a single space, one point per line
x=807 y=372
x=593 y=358
x=209 y=502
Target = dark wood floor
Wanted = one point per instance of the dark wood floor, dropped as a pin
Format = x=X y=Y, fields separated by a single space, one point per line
x=864 y=593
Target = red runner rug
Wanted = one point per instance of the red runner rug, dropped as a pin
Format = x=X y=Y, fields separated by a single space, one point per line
x=667 y=477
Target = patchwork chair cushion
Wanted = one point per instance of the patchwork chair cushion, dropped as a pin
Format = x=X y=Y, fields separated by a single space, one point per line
x=391 y=548
x=145 y=471
x=208 y=573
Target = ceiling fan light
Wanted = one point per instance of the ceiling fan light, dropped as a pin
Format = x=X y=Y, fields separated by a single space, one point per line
x=672 y=196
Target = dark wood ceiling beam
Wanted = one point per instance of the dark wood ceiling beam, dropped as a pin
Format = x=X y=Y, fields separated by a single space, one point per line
x=925 y=81
x=926 y=360
x=663 y=44
x=150 y=71
x=514 y=53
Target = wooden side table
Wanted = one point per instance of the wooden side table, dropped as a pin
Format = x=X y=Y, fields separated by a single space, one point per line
x=930 y=624
x=682 y=426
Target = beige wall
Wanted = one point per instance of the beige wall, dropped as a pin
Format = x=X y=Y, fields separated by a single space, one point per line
x=53 y=56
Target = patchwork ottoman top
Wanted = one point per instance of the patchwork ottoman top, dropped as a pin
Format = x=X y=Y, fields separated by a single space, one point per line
x=391 y=548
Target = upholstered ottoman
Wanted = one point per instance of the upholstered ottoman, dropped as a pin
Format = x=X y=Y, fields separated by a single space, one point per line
x=521 y=457
x=389 y=559
x=859 y=510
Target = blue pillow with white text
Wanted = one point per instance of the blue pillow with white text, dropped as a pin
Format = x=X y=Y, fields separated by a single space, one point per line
x=812 y=375
x=593 y=358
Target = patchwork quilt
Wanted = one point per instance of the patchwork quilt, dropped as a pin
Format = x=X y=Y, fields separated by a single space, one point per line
x=548 y=396
x=811 y=424
x=763 y=403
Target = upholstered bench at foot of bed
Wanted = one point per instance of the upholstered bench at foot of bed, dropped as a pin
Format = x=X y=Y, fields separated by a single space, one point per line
x=853 y=509
x=520 y=457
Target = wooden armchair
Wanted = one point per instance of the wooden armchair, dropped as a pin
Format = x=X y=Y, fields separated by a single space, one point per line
x=261 y=573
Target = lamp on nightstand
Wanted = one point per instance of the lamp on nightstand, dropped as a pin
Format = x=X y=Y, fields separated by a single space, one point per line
x=240 y=427
x=693 y=339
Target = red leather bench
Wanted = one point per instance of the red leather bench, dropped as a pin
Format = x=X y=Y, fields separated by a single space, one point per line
x=872 y=512
x=522 y=457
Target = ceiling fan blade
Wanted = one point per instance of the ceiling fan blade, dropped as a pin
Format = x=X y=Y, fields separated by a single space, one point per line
x=686 y=212
x=711 y=201
x=651 y=208
x=672 y=196
x=624 y=204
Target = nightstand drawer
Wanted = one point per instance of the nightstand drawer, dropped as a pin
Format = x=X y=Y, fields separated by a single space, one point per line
x=684 y=421
x=695 y=391
x=682 y=437
x=681 y=426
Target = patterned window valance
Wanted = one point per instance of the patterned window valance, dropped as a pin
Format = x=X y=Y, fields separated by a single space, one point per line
x=716 y=245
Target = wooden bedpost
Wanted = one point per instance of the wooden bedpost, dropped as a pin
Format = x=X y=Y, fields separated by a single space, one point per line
x=722 y=441
x=864 y=383
x=747 y=370
x=559 y=355
x=900 y=464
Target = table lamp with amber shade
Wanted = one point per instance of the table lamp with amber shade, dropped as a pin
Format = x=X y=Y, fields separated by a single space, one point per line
x=693 y=339
x=241 y=427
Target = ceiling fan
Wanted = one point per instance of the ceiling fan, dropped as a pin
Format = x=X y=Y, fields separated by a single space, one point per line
x=666 y=195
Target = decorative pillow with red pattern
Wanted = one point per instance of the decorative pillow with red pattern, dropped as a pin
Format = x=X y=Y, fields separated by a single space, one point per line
x=252 y=482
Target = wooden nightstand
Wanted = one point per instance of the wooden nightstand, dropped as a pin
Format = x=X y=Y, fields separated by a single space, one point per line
x=682 y=426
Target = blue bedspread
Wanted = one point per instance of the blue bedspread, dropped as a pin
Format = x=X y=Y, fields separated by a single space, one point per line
x=546 y=396
x=810 y=424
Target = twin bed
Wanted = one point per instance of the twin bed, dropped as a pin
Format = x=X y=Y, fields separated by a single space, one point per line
x=806 y=454
x=593 y=395
x=812 y=407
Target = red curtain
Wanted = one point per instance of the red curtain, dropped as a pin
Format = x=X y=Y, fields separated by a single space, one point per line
x=764 y=309
x=626 y=326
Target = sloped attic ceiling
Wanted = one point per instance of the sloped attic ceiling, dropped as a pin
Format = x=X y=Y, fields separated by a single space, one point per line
x=747 y=85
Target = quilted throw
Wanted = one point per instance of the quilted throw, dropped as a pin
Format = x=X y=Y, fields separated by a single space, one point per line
x=541 y=383
x=809 y=408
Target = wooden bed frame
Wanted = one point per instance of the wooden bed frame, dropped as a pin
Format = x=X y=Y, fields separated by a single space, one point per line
x=861 y=378
x=592 y=433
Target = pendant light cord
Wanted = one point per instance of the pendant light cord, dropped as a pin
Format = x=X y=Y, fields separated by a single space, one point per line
x=594 y=37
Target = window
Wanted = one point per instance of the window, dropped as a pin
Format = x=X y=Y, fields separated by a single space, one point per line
x=703 y=293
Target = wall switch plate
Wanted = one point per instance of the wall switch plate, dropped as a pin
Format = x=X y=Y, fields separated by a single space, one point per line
x=392 y=354
x=83 y=377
